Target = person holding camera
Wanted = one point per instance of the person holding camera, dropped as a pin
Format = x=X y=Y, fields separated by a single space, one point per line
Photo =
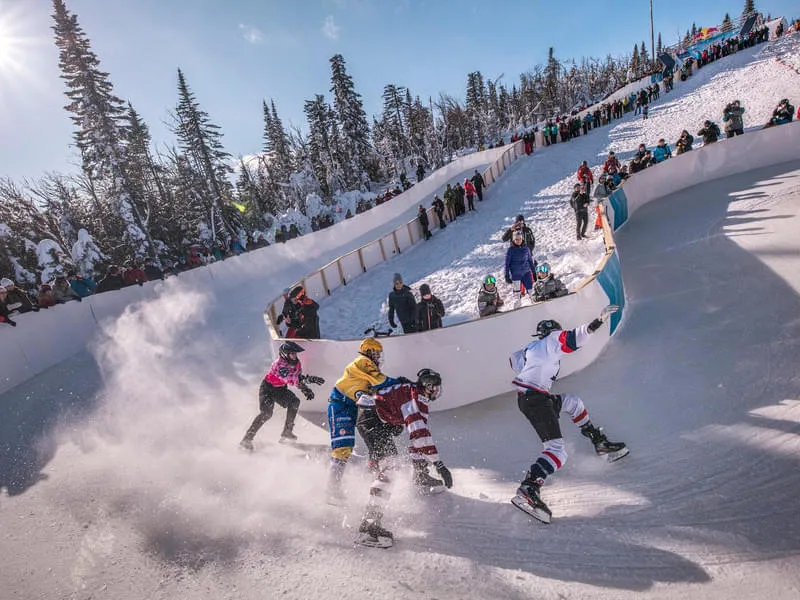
x=732 y=117
x=527 y=233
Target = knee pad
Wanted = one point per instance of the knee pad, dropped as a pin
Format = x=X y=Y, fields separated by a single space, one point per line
x=556 y=452
x=342 y=454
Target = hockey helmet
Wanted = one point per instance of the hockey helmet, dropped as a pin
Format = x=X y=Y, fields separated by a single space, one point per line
x=288 y=348
x=431 y=383
x=546 y=327
x=372 y=349
x=489 y=280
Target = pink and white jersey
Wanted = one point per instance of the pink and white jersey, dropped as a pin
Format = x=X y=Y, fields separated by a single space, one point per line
x=282 y=373
x=404 y=404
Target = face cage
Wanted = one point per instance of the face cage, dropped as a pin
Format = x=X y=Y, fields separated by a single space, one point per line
x=375 y=356
x=432 y=392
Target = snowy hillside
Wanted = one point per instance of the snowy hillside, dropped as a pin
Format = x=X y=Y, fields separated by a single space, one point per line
x=122 y=478
x=454 y=262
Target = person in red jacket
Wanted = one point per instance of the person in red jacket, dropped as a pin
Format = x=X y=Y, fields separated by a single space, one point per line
x=585 y=177
x=134 y=274
x=469 y=189
x=611 y=165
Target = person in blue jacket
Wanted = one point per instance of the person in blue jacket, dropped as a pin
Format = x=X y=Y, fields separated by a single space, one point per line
x=662 y=151
x=519 y=266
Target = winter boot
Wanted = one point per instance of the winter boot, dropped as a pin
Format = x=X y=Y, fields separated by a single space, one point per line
x=246 y=444
x=424 y=483
x=371 y=534
x=613 y=450
x=288 y=427
x=529 y=501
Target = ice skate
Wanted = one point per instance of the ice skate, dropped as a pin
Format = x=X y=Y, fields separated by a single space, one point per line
x=424 y=483
x=529 y=502
x=613 y=451
x=372 y=535
x=287 y=437
x=246 y=444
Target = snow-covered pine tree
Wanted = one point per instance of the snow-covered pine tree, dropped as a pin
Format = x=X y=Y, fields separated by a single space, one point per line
x=353 y=123
x=476 y=107
x=749 y=7
x=201 y=142
x=87 y=257
x=100 y=131
x=22 y=225
x=694 y=30
x=550 y=92
x=319 y=116
x=635 y=64
x=493 y=117
x=393 y=128
x=644 y=59
x=727 y=25
x=659 y=47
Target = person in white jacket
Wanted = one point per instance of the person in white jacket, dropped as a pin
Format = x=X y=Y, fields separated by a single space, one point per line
x=537 y=366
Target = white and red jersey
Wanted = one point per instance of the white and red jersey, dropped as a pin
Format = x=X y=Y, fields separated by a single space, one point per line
x=538 y=363
x=404 y=404
x=282 y=373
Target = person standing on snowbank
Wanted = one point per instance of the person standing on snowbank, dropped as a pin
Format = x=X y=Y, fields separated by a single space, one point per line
x=536 y=367
x=283 y=372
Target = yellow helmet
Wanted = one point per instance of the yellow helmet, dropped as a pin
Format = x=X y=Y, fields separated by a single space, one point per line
x=370 y=344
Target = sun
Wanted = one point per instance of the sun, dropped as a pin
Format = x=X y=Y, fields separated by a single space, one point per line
x=10 y=45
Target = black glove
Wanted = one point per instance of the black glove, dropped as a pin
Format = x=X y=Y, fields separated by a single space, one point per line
x=306 y=391
x=397 y=430
x=392 y=324
x=508 y=279
x=279 y=320
x=314 y=379
x=444 y=473
x=10 y=322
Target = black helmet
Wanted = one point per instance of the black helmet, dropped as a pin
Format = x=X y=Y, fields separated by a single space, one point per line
x=431 y=383
x=288 y=348
x=519 y=218
x=544 y=328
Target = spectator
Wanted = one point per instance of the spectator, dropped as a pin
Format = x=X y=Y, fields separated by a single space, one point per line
x=469 y=191
x=151 y=270
x=547 y=286
x=519 y=266
x=450 y=203
x=585 y=177
x=420 y=172
x=422 y=217
x=63 y=291
x=662 y=151
x=611 y=166
x=732 y=117
x=479 y=183
x=113 y=280
x=438 y=208
x=645 y=111
x=134 y=274
x=527 y=233
x=489 y=300
x=4 y=312
x=16 y=299
x=580 y=204
x=783 y=113
x=81 y=285
x=430 y=310
x=46 y=296
x=403 y=304
x=604 y=188
x=709 y=132
x=291 y=311
x=684 y=143
x=236 y=246
x=308 y=327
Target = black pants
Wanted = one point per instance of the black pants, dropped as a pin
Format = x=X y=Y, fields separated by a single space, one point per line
x=408 y=326
x=470 y=202
x=734 y=132
x=268 y=396
x=479 y=191
x=582 y=218
x=542 y=410
x=377 y=435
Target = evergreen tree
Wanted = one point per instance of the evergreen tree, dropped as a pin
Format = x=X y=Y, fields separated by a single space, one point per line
x=694 y=30
x=393 y=129
x=476 y=106
x=550 y=91
x=727 y=25
x=749 y=7
x=322 y=145
x=687 y=39
x=201 y=142
x=635 y=65
x=659 y=47
x=644 y=59
x=352 y=122
x=100 y=132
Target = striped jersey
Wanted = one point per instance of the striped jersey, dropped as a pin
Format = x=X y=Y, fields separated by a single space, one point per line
x=404 y=404
x=537 y=364
x=282 y=373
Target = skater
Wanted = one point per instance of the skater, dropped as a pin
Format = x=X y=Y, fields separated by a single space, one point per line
x=537 y=366
x=519 y=267
x=283 y=372
x=362 y=376
x=381 y=418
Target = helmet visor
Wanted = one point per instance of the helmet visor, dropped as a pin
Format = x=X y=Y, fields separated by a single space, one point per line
x=432 y=392
x=490 y=280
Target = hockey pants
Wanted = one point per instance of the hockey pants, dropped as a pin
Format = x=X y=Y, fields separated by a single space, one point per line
x=268 y=396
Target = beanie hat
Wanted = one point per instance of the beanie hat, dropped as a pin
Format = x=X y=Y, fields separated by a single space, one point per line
x=397 y=278
x=424 y=289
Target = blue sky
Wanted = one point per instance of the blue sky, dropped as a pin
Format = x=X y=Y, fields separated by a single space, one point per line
x=237 y=53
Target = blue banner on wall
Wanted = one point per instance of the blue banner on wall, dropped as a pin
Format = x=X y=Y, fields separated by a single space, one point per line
x=620 y=203
x=610 y=279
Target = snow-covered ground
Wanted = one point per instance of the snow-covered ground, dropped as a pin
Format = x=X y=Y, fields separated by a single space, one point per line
x=123 y=479
x=455 y=260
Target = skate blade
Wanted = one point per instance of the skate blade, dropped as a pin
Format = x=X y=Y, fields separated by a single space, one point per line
x=537 y=513
x=431 y=491
x=374 y=542
x=287 y=441
x=615 y=456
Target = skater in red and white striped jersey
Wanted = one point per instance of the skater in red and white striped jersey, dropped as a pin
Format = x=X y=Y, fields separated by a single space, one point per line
x=537 y=366
x=382 y=417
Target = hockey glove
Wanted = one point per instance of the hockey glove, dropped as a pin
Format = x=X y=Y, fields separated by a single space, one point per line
x=306 y=391
x=314 y=379
x=508 y=279
x=608 y=311
x=444 y=473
